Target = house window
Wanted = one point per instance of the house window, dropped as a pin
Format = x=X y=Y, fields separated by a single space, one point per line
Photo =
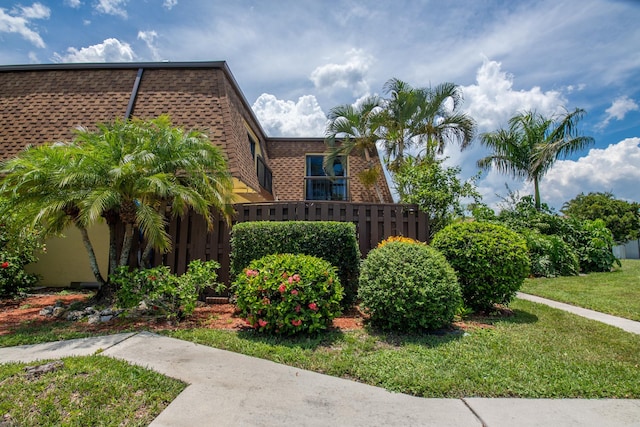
x=319 y=185
x=252 y=145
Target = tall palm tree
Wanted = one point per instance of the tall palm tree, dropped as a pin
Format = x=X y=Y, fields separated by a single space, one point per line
x=425 y=118
x=354 y=129
x=532 y=143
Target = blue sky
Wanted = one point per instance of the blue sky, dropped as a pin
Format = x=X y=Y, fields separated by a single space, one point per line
x=295 y=60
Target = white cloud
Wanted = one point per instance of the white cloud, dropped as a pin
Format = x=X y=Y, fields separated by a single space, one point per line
x=492 y=101
x=112 y=7
x=350 y=75
x=615 y=169
x=110 y=50
x=169 y=4
x=18 y=21
x=149 y=37
x=288 y=118
x=619 y=108
x=36 y=11
x=73 y=3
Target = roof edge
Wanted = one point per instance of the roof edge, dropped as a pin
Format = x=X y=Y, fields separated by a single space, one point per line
x=114 y=65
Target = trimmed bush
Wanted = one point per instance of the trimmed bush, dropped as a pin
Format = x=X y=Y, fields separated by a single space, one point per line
x=405 y=286
x=399 y=239
x=162 y=291
x=491 y=261
x=288 y=294
x=334 y=242
x=550 y=256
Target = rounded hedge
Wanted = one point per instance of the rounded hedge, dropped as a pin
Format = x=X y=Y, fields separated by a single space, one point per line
x=491 y=261
x=405 y=286
x=288 y=294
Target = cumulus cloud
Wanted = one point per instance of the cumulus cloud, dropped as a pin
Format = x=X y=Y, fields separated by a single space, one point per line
x=169 y=4
x=615 y=169
x=73 y=3
x=492 y=101
x=288 y=118
x=112 y=7
x=110 y=50
x=18 y=21
x=619 y=108
x=149 y=38
x=350 y=75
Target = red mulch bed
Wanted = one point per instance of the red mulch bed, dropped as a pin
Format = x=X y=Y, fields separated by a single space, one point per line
x=14 y=312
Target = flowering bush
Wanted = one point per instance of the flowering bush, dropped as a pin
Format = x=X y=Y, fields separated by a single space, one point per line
x=404 y=286
x=288 y=294
x=399 y=239
x=18 y=247
x=163 y=292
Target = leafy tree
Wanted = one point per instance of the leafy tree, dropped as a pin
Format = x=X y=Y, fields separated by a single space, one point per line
x=424 y=118
x=532 y=143
x=436 y=190
x=620 y=216
x=134 y=172
x=354 y=128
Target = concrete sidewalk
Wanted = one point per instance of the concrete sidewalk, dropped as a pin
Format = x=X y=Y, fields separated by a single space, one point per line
x=230 y=389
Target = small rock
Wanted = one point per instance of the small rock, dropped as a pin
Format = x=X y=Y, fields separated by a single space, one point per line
x=58 y=311
x=106 y=312
x=93 y=319
x=47 y=311
x=143 y=306
x=36 y=371
x=75 y=315
x=89 y=310
x=105 y=318
x=58 y=304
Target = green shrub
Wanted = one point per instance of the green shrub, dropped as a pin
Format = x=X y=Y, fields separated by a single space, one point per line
x=595 y=247
x=334 y=242
x=491 y=261
x=550 y=256
x=162 y=291
x=405 y=286
x=19 y=245
x=288 y=294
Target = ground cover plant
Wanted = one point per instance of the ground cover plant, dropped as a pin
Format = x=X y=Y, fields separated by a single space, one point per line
x=94 y=390
x=616 y=293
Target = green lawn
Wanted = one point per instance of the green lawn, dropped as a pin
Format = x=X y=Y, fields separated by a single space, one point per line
x=539 y=352
x=86 y=391
x=616 y=293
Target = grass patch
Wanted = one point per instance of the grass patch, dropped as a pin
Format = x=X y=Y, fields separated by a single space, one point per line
x=539 y=352
x=616 y=293
x=94 y=390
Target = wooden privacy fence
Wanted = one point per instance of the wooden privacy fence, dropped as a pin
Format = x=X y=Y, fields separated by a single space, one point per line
x=374 y=223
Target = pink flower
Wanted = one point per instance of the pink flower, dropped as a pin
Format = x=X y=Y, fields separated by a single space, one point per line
x=298 y=308
x=296 y=322
x=262 y=323
x=291 y=279
x=296 y=277
x=252 y=273
x=282 y=288
x=5 y=265
x=294 y=292
x=313 y=306
x=152 y=278
x=266 y=301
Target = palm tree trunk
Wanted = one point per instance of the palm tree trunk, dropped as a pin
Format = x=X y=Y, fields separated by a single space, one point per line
x=144 y=260
x=376 y=186
x=93 y=261
x=126 y=245
x=536 y=193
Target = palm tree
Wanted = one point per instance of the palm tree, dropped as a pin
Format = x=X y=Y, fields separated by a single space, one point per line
x=45 y=186
x=132 y=172
x=532 y=143
x=354 y=128
x=426 y=118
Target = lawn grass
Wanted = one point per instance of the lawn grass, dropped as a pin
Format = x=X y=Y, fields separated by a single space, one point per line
x=86 y=391
x=616 y=293
x=539 y=352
